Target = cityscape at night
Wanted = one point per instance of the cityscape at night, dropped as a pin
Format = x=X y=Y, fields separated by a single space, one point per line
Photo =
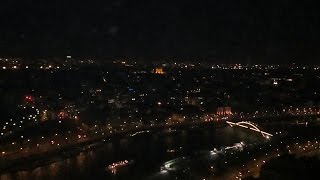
x=159 y=90
x=67 y=112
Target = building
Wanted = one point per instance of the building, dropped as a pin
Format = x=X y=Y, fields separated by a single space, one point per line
x=158 y=70
x=224 y=111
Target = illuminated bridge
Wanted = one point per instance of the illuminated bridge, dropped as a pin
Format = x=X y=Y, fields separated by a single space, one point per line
x=251 y=126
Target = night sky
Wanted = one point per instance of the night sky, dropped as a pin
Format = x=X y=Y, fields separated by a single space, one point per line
x=231 y=31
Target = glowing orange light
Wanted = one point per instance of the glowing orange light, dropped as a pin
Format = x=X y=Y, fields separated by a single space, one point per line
x=61 y=115
x=158 y=71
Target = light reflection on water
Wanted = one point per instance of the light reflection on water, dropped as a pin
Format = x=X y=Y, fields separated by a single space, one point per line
x=37 y=173
x=93 y=162
x=5 y=177
x=53 y=169
x=23 y=175
x=80 y=161
x=68 y=162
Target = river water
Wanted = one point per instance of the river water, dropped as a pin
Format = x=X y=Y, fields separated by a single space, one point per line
x=148 y=150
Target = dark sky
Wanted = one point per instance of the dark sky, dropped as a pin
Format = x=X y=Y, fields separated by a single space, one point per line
x=220 y=31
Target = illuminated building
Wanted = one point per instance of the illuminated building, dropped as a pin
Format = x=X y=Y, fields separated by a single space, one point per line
x=176 y=118
x=158 y=71
x=224 y=111
x=62 y=115
x=47 y=115
x=44 y=115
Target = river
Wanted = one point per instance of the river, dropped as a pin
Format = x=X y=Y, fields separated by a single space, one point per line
x=149 y=151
